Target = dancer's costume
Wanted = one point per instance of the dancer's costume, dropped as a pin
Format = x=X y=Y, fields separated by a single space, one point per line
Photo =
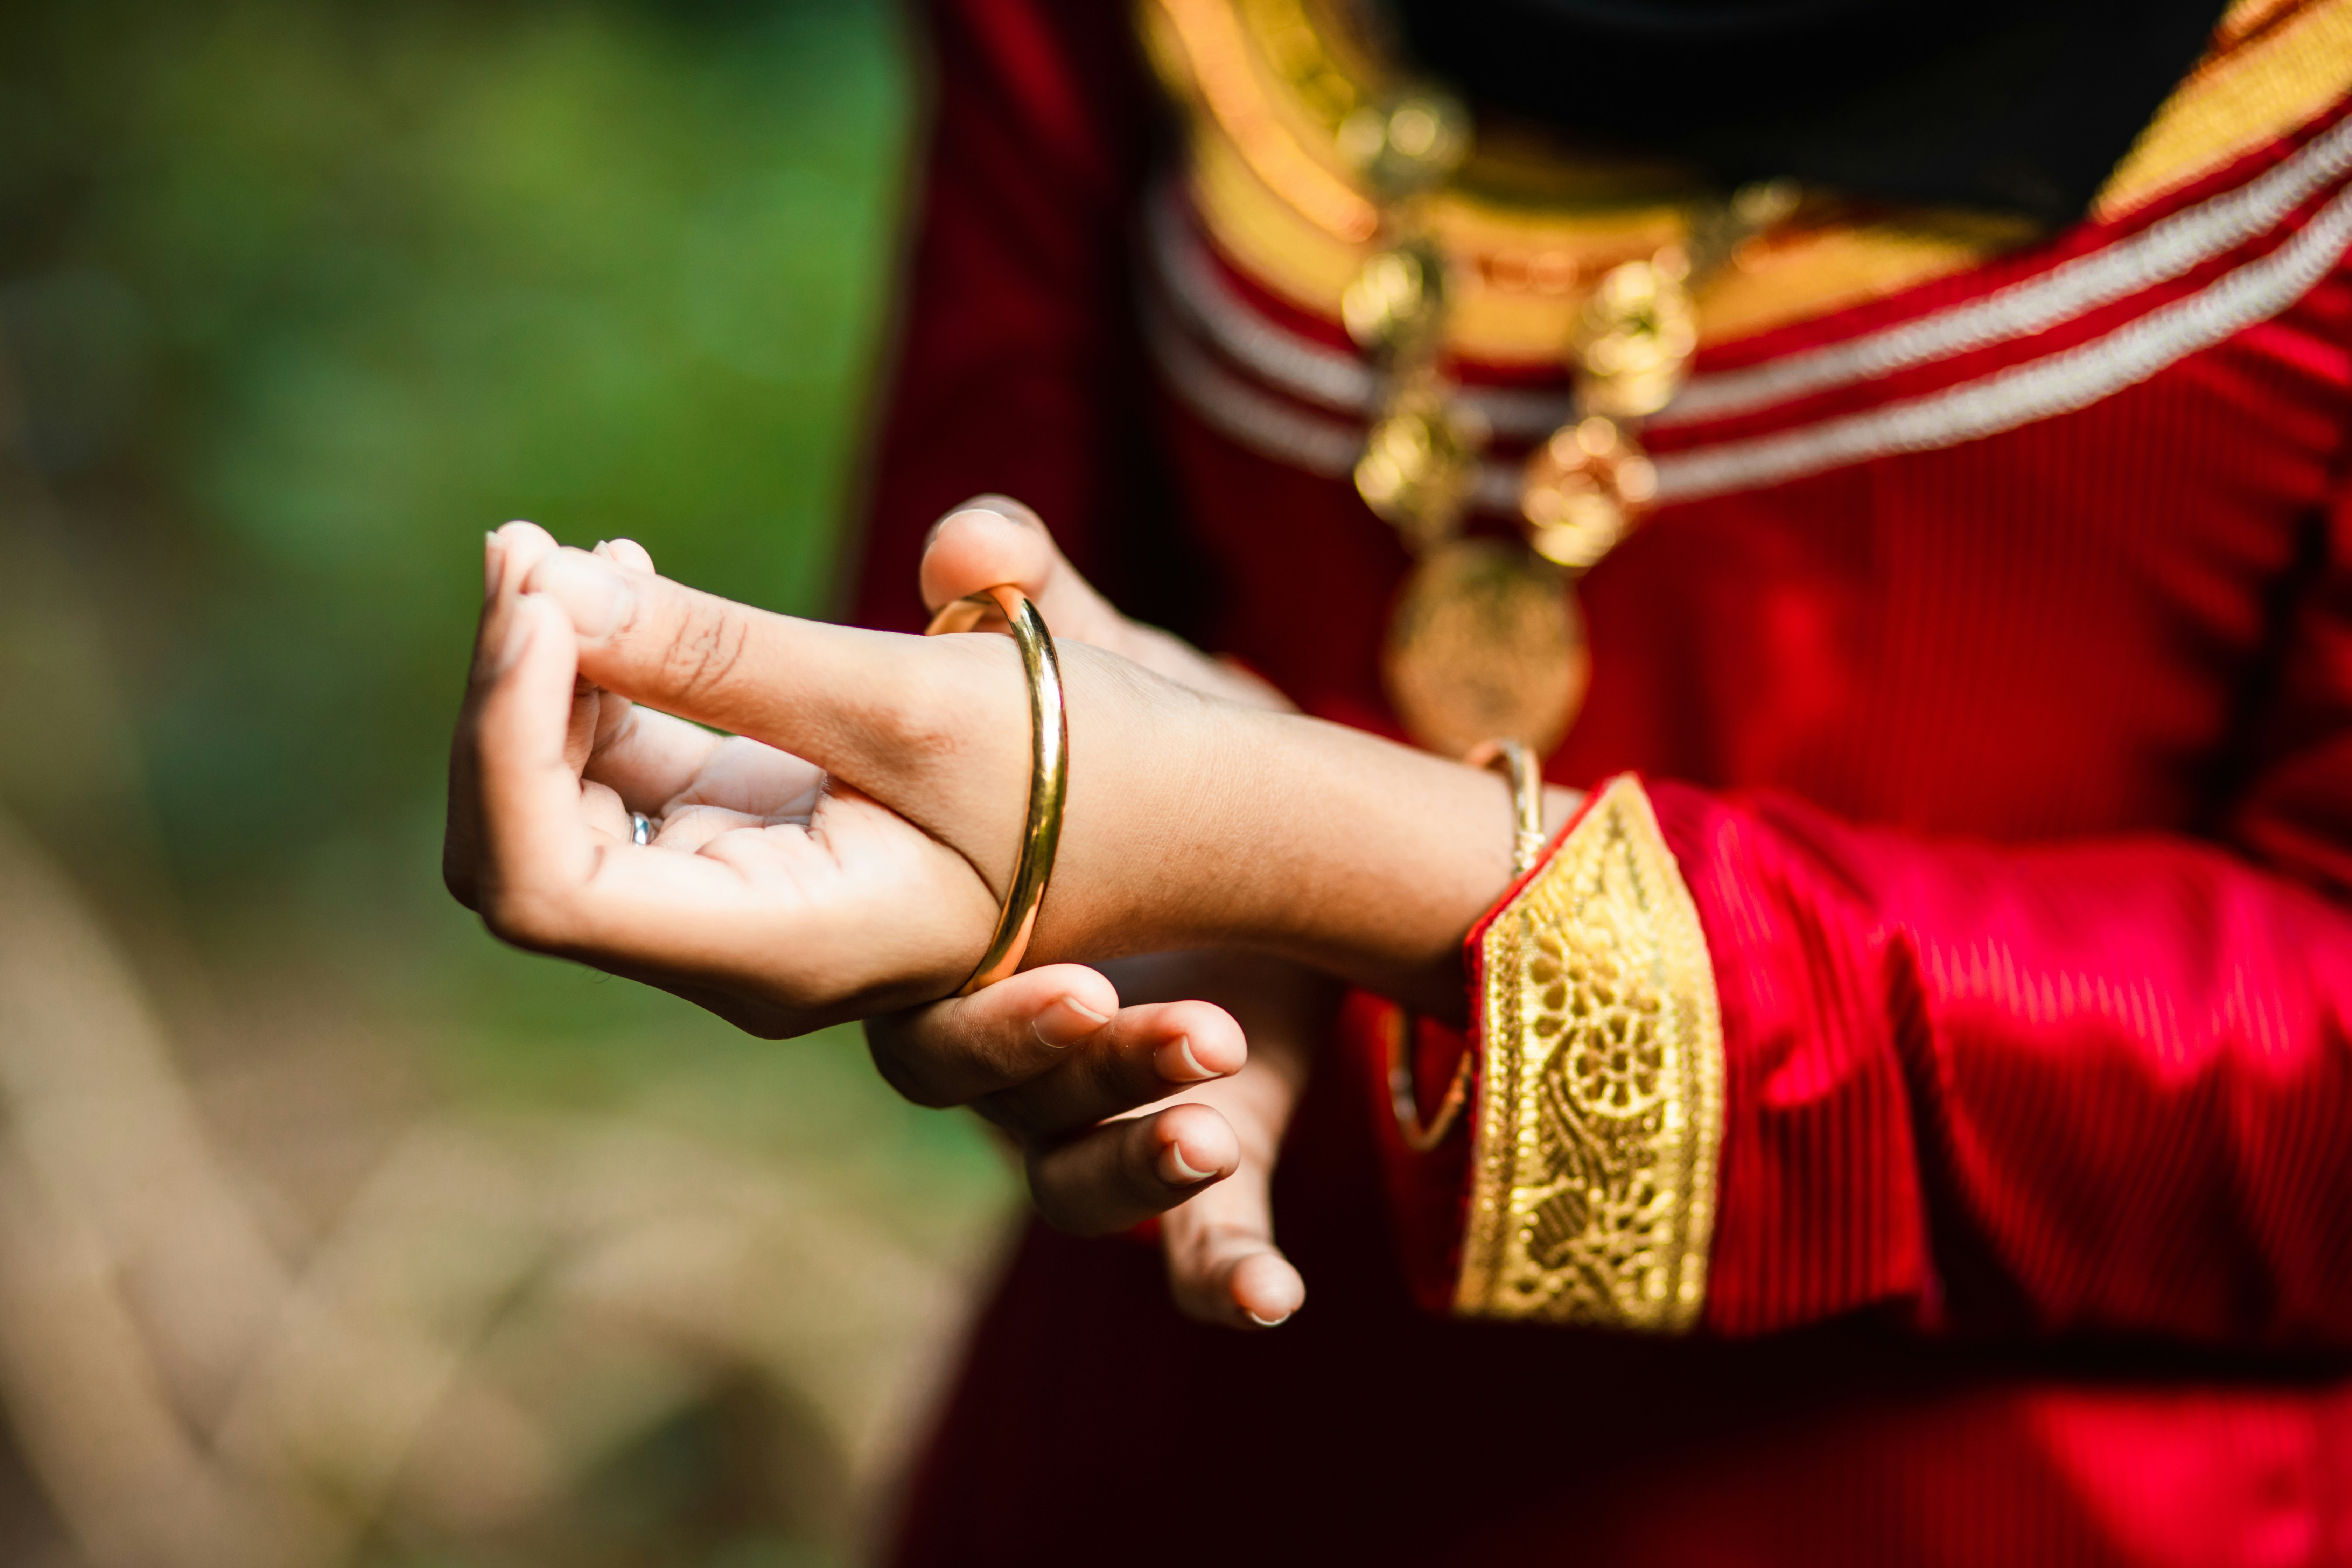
x=1912 y=1113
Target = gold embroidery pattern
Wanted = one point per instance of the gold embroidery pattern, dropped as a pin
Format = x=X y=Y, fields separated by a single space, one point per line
x=1529 y=230
x=2274 y=68
x=1601 y=1102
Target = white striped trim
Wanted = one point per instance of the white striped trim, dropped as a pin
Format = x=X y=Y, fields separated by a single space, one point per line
x=2060 y=383
x=1311 y=372
x=1250 y=418
x=1336 y=379
x=1244 y=415
x=2165 y=251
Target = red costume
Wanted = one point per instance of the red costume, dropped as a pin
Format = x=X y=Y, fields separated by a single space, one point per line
x=1988 y=671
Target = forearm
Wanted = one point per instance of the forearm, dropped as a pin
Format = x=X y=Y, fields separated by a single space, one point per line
x=1248 y=828
x=1192 y=821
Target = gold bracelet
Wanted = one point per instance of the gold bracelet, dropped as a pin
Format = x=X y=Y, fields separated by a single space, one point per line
x=1527 y=798
x=1527 y=843
x=1049 y=776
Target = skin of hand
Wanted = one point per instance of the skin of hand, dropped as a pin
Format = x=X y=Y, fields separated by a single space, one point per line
x=1223 y=1264
x=856 y=832
x=842 y=854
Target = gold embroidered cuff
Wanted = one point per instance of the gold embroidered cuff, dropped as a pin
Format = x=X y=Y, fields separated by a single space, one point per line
x=1601 y=1100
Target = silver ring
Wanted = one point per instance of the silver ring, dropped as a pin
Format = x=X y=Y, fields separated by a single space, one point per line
x=641 y=828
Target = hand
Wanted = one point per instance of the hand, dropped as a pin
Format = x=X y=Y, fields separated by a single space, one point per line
x=873 y=814
x=1067 y=1053
x=775 y=896
x=1207 y=1157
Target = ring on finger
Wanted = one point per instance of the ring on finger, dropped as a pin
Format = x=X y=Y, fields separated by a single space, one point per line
x=641 y=828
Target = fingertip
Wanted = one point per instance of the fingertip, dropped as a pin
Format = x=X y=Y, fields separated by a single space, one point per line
x=977 y=547
x=1065 y=1020
x=1201 y=1041
x=520 y=533
x=1196 y=1145
x=1090 y=986
x=590 y=589
x=1061 y=1003
x=1005 y=505
x=1266 y=1289
x=521 y=546
x=628 y=553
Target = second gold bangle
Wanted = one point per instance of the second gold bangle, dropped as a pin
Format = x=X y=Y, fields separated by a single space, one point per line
x=1049 y=782
x=1518 y=764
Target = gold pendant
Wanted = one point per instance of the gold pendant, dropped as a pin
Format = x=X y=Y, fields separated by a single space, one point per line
x=1486 y=641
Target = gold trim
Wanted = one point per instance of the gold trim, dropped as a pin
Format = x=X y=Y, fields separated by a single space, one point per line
x=1527 y=227
x=1601 y=1105
x=1203 y=52
x=1530 y=229
x=2267 y=74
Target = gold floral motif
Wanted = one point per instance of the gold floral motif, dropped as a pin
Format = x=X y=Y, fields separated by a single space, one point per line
x=1600 y=1105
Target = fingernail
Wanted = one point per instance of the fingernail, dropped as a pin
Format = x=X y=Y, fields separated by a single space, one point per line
x=1265 y=1322
x=1064 y=1022
x=592 y=592
x=1177 y=1063
x=969 y=508
x=1175 y=1171
x=494 y=565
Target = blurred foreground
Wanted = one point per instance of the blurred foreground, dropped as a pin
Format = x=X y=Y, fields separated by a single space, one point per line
x=330 y=1232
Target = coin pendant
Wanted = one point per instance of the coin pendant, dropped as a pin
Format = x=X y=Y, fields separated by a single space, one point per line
x=1486 y=641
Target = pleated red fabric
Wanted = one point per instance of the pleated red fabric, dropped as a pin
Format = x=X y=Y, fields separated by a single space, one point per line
x=2009 y=766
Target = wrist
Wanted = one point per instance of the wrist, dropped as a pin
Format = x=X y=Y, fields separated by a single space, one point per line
x=1200 y=822
x=1388 y=857
x=1280 y=833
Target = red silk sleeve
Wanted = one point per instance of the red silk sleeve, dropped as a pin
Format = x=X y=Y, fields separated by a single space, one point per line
x=1017 y=369
x=2088 y=1086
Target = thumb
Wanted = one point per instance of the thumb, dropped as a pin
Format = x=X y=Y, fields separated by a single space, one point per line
x=995 y=539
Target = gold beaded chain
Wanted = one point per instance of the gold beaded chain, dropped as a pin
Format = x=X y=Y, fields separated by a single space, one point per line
x=1487 y=637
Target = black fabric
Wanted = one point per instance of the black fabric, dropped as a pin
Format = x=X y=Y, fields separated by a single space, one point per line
x=2021 y=106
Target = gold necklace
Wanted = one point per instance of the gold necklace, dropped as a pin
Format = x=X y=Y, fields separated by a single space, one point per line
x=1487 y=637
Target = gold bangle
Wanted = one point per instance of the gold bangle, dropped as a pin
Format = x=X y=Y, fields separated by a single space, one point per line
x=1049 y=778
x=1526 y=797
x=1419 y=1136
x=1518 y=764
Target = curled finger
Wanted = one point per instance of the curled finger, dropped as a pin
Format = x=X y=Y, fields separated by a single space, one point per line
x=535 y=851
x=1125 y=1172
x=1141 y=1056
x=960 y=1049
x=1222 y=1265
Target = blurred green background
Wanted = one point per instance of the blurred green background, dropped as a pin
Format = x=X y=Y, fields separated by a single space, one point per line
x=296 y=299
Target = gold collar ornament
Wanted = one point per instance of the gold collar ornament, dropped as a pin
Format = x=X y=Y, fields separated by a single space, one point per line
x=1487 y=637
